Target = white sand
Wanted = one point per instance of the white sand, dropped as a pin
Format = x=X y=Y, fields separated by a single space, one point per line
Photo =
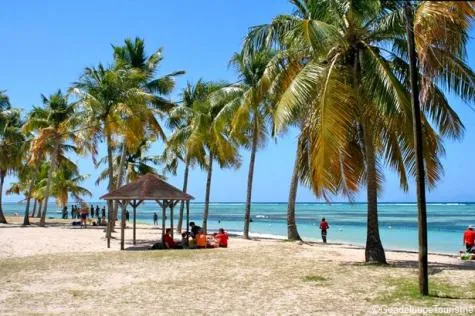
x=70 y=271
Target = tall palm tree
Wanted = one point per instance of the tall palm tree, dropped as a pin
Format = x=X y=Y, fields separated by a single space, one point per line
x=359 y=97
x=209 y=139
x=54 y=125
x=251 y=114
x=12 y=147
x=441 y=30
x=113 y=107
x=180 y=120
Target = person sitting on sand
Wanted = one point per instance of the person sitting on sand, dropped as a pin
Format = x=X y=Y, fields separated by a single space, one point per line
x=168 y=242
x=221 y=238
x=201 y=239
x=324 y=227
x=469 y=239
x=195 y=229
x=103 y=221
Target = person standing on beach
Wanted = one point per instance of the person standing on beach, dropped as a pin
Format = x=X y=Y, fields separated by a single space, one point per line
x=469 y=238
x=103 y=211
x=324 y=227
x=155 y=219
x=97 y=211
x=127 y=215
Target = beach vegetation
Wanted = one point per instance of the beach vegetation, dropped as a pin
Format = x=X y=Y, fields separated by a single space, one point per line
x=12 y=144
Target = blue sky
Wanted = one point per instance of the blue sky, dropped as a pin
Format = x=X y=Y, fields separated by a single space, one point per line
x=46 y=45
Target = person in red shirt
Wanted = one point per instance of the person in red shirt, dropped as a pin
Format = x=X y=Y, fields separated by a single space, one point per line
x=324 y=227
x=168 y=242
x=222 y=238
x=469 y=238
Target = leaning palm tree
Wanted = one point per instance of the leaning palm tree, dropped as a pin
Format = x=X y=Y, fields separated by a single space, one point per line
x=12 y=146
x=359 y=97
x=54 y=125
x=209 y=138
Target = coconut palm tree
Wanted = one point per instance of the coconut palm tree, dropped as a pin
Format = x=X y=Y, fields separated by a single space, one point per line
x=209 y=139
x=441 y=30
x=12 y=144
x=180 y=120
x=249 y=114
x=359 y=97
x=54 y=125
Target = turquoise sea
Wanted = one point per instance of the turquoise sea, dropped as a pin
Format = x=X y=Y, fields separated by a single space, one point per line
x=397 y=221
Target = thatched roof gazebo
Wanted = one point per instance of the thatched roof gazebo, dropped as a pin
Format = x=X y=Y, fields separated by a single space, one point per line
x=149 y=187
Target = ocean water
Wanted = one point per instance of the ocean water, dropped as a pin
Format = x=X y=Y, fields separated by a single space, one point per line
x=397 y=221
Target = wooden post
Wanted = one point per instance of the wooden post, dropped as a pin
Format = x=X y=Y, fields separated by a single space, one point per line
x=164 y=209
x=108 y=227
x=187 y=216
x=122 y=225
x=135 y=208
x=171 y=217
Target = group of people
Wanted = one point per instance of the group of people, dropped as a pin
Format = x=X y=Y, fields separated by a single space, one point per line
x=78 y=211
x=83 y=212
x=195 y=238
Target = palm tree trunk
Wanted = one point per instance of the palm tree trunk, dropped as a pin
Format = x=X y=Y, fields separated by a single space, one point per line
x=292 y=232
x=3 y=173
x=374 y=251
x=34 y=208
x=110 y=187
x=208 y=191
x=120 y=175
x=182 y=205
x=26 y=218
x=250 y=176
x=48 y=187
x=420 y=172
x=40 y=208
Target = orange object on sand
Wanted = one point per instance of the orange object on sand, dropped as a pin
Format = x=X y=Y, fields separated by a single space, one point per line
x=201 y=240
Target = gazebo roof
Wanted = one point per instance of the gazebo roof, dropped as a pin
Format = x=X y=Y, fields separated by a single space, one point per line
x=147 y=187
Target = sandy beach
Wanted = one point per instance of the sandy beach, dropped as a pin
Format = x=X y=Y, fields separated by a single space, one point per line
x=60 y=269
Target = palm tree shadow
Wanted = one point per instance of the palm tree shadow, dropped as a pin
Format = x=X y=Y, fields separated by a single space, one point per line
x=435 y=267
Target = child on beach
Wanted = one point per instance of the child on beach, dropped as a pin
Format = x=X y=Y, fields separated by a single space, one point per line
x=324 y=227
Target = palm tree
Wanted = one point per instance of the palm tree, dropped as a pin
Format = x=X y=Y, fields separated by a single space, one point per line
x=358 y=92
x=12 y=147
x=250 y=114
x=441 y=33
x=180 y=121
x=54 y=125
x=209 y=138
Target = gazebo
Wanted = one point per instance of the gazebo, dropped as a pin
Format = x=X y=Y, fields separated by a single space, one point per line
x=149 y=187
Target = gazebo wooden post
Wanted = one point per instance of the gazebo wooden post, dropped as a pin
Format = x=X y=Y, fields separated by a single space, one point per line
x=188 y=216
x=135 y=222
x=122 y=224
x=164 y=210
x=171 y=216
x=134 y=205
x=108 y=233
